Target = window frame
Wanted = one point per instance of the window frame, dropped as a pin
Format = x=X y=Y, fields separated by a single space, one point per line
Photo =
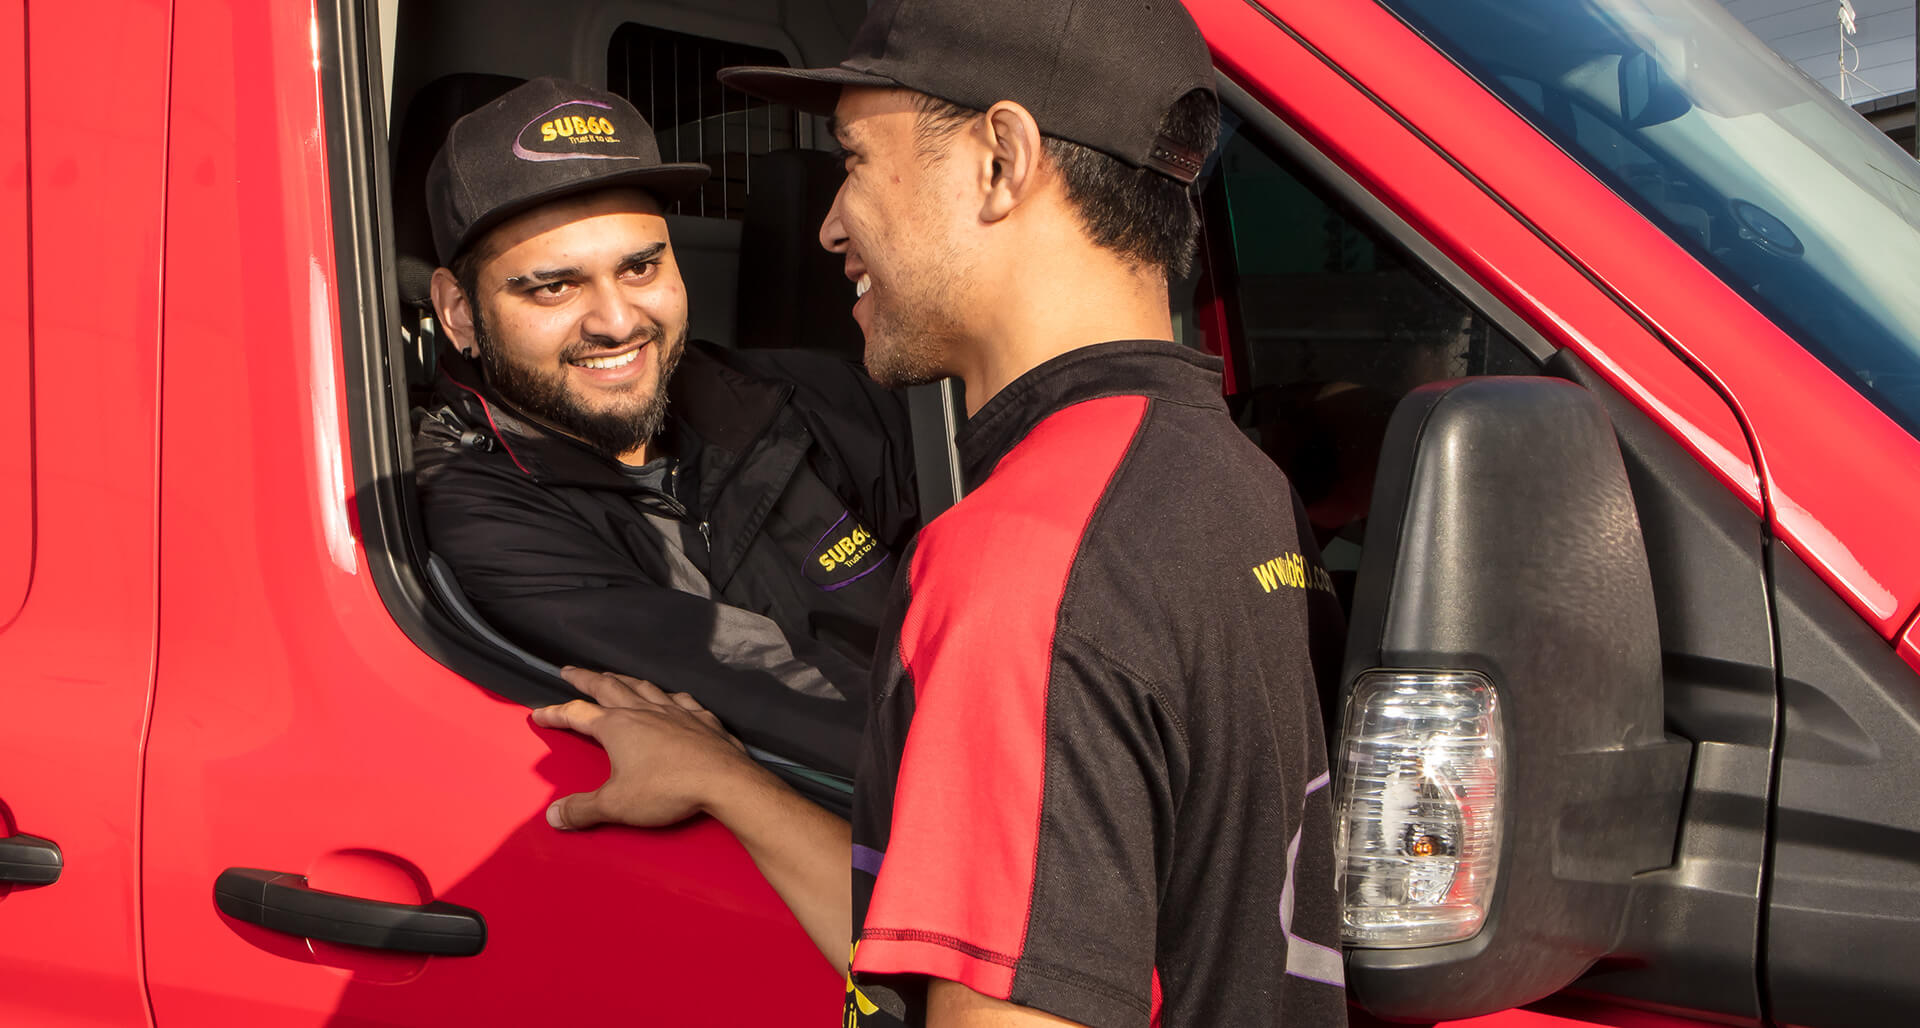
x=374 y=356
x=1323 y=173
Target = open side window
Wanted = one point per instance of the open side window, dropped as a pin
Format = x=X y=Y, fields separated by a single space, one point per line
x=1326 y=316
x=768 y=194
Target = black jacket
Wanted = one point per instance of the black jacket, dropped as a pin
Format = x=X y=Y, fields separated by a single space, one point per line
x=753 y=575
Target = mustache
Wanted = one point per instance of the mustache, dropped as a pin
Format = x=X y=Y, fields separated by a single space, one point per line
x=585 y=347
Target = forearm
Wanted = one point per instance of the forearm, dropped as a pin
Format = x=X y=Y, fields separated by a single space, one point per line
x=804 y=852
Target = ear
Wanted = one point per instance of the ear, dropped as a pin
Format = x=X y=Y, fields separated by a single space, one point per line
x=451 y=306
x=1013 y=143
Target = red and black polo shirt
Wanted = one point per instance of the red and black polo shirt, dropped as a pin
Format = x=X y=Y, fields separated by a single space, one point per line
x=1094 y=780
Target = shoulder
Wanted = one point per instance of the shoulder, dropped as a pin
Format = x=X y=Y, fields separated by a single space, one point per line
x=461 y=473
x=1026 y=525
x=820 y=381
x=443 y=443
x=799 y=368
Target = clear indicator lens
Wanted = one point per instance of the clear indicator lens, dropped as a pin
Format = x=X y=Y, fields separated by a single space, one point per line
x=1418 y=807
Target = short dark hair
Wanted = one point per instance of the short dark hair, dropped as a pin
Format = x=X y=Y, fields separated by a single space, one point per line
x=466 y=273
x=1137 y=213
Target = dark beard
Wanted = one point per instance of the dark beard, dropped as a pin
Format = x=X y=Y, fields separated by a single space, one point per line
x=906 y=358
x=909 y=341
x=543 y=396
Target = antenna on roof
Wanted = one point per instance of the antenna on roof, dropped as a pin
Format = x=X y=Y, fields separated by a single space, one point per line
x=1849 y=53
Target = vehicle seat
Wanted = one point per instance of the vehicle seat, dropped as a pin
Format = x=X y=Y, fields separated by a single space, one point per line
x=423 y=128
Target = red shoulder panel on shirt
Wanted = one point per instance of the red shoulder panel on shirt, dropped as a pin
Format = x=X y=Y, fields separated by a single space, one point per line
x=977 y=643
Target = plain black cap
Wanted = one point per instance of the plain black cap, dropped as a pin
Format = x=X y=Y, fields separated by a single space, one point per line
x=1101 y=73
x=544 y=140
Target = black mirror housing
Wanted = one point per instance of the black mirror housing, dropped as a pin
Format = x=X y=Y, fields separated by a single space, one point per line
x=1504 y=540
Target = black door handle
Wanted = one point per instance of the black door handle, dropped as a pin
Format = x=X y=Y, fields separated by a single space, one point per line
x=29 y=860
x=285 y=903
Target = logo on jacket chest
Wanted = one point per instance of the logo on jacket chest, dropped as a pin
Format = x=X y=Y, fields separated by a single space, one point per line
x=846 y=553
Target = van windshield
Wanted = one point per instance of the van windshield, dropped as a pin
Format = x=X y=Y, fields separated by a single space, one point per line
x=1786 y=194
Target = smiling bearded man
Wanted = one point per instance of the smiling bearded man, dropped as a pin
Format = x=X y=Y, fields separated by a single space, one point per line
x=637 y=410
x=611 y=495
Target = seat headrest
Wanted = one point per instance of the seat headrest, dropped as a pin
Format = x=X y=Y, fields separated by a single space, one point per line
x=423 y=128
x=793 y=294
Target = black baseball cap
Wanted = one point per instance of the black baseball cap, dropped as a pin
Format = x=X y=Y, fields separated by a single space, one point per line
x=545 y=139
x=1101 y=73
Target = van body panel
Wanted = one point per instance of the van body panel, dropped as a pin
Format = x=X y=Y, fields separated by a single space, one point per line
x=76 y=658
x=296 y=729
x=16 y=336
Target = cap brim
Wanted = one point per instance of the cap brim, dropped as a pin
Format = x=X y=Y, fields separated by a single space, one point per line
x=813 y=90
x=666 y=183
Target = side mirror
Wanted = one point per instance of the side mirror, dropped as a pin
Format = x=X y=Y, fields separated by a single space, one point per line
x=1502 y=770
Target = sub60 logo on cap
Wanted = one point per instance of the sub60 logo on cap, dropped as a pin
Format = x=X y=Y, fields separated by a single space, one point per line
x=575 y=127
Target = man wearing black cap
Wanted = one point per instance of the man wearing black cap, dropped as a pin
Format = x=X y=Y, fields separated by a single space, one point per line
x=727 y=528
x=1094 y=783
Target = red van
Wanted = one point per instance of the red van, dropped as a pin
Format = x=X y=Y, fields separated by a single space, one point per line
x=1589 y=332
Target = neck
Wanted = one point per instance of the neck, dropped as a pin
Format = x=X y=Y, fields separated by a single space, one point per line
x=1074 y=295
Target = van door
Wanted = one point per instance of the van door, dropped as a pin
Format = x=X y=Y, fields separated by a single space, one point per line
x=302 y=745
x=1350 y=259
x=82 y=137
